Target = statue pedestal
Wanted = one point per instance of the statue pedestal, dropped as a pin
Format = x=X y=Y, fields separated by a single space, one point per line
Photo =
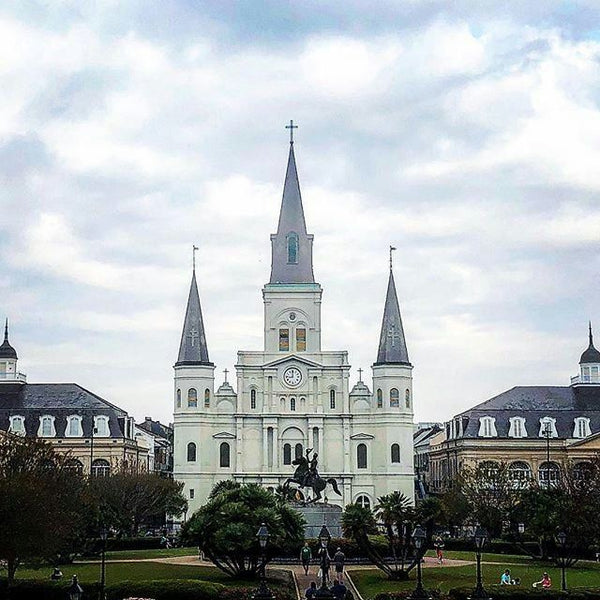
x=317 y=515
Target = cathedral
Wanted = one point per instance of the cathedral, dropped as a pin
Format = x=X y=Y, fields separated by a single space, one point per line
x=292 y=396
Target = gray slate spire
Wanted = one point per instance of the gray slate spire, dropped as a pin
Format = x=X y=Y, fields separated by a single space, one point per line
x=291 y=246
x=193 y=349
x=591 y=355
x=6 y=350
x=392 y=344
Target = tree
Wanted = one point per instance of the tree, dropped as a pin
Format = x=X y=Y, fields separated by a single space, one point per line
x=225 y=527
x=396 y=515
x=40 y=501
x=430 y=512
x=130 y=497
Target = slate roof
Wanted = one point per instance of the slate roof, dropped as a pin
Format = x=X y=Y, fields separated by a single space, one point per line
x=193 y=349
x=291 y=220
x=33 y=400
x=392 y=343
x=533 y=403
x=156 y=427
x=6 y=350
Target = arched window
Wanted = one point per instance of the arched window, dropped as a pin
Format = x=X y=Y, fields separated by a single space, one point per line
x=332 y=399
x=284 y=340
x=206 y=398
x=74 y=428
x=17 y=425
x=192 y=398
x=394 y=398
x=519 y=474
x=100 y=468
x=292 y=403
x=292 y=248
x=287 y=454
x=253 y=399
x=361 y=456
x=363 y=501
x=582 y=471
x=301 y=339
x=224 y=455
x=46 y=428
x=379 y=399
x=582 y=427
x=74 y=465
x=395 y=453
x=178 y=398
x=407 y=398
x=191 y=452
x=490 y=467
x=549 y=474
x=298 y=451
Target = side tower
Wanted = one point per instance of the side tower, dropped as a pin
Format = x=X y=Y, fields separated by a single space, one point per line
x=194 y=381
x=393 y=398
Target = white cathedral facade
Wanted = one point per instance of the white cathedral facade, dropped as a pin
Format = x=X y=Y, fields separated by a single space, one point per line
x=292 y=395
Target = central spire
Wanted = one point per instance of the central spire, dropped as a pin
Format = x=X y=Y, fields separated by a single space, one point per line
x=291 y=246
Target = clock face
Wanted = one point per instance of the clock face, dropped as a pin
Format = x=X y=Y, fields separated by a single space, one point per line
x=292 y=377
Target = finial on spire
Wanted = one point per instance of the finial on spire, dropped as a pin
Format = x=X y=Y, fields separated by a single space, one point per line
x=6 y=330
x=392 y=248
x=591 y=335
x=194 y=250
x=291 y=127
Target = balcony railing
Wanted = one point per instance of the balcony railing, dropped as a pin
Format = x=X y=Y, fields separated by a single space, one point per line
x=585 y=379
x=13 y=377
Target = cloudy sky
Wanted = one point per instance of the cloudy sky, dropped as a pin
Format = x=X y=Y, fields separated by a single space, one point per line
x=467 y=134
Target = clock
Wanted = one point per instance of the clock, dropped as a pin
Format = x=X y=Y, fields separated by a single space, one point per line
x=292 y=377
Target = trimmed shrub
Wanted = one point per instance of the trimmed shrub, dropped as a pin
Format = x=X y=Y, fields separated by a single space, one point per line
x=166 y=589
x=30 y=589
x=518 y=593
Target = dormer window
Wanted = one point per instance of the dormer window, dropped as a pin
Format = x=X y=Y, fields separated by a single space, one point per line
x=487 y=427
x=46 y=428
x=74 y=428
x=548 y=427
x=582 y=427
x=517 y=427
x=17 y=425
x=101 y=428
x=292 y=248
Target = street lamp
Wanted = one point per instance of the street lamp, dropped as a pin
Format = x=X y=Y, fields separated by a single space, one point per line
x=75 y=591
x=418 y=537
x=561 y=538
x=547 y=433
x=521 y=528
x=103 y=536
x=263 y=592
x=480 y=539
x=324 y=539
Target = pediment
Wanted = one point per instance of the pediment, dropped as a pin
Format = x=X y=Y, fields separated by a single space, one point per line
x=362 y=436
x=224 y=436
x=293 y=358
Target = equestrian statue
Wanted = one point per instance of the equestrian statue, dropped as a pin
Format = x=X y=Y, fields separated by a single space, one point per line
x=306 y=475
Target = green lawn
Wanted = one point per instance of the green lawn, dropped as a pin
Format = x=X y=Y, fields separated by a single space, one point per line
x=372 y=581
x=158 y=553
x=139 y=571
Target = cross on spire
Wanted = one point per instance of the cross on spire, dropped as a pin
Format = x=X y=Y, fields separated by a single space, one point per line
x=194 y=250
x=393 y=334
x=360 y=372
x=291 y=127
x=392 y=248
x=225 y=371
x=193 y=336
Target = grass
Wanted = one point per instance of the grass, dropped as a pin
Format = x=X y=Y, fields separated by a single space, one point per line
x=372 y=581
x=157 y=553
x=137 y=571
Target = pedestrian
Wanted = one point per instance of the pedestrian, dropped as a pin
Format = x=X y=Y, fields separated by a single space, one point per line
x=325 y=564
x=338 y=589
x=439 y=549
x=305 y=557
x=56 y=574
x=505 y=578
x=311 y=591
x=339 y=558
x=545 y=582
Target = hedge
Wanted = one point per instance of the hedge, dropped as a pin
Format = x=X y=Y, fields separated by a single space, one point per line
x=517 y=593
x=31 y=589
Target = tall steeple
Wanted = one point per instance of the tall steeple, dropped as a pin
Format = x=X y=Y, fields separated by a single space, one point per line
x=392 y=344
x=193 y=349
x=291 y=246
x=6 y=350
x=591 y=355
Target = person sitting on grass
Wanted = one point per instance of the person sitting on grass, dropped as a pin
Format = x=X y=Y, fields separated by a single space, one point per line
x=545 y=582
x=505 y=578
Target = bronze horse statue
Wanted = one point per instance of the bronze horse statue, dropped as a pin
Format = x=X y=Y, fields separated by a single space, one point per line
x=307 y=476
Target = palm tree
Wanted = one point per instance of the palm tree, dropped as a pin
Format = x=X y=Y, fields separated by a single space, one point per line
x=395 y=512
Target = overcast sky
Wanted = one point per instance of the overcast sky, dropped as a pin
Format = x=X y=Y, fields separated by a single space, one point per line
x=468 y=137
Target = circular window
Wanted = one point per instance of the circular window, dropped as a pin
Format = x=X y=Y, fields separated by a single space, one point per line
x=292 y=316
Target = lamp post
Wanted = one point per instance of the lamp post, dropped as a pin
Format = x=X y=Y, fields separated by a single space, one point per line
x=324 y=539
x=263 y=592
x=75 y=591
x=418 y=537
x=547 y=433
x=561 y=538
x=103 y=536
x=480 y=539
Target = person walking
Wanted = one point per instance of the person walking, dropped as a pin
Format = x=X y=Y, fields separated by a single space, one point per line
x=311 y=592
x=439 y=549
x=339 y=558
x=305 y=557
